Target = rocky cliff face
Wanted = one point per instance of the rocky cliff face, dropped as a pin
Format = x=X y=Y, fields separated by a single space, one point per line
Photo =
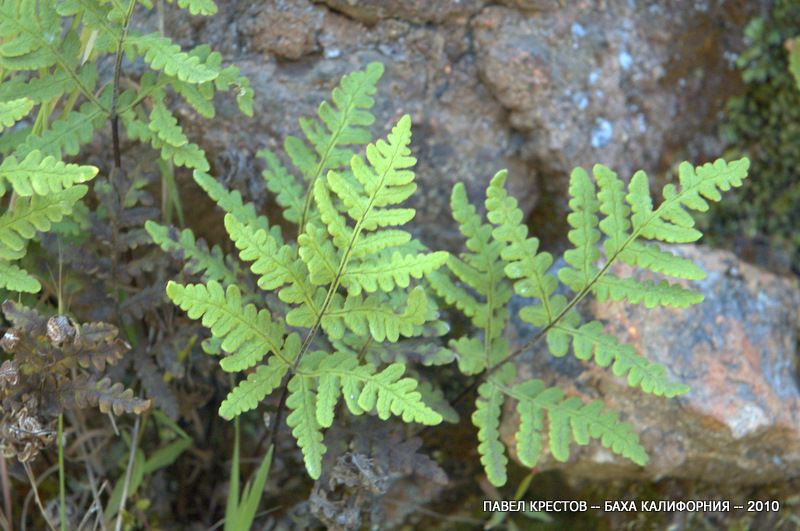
x=535 y=86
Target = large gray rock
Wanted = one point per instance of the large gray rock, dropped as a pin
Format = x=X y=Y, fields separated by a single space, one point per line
x=740 y=423
x=533 y=86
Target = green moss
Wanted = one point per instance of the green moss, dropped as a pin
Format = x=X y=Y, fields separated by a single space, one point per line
x=764 y=124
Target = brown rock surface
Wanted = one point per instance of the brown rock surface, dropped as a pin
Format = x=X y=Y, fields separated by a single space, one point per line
x=740 y=423
x=533 y=86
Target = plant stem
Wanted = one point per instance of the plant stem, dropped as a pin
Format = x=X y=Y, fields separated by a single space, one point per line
x=62 y=504
x=115 y=91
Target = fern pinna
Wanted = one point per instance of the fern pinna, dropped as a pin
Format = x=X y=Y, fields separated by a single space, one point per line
x=502 y=258
x=351 y=272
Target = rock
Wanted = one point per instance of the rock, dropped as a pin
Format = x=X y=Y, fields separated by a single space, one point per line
x=535 y=86
x=372 y=11
x=740 y=423
x=293 y=25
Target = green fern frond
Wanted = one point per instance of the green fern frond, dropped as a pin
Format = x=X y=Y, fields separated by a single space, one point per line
x=67 y=134
x=12 y=278
x=163 y=54
x=260 y=383
x=199 y=7
x=231 y=202
x=166 y=127
x=486 y=418
x=372 y=316
x=342 y=123
x=31 y=214
x=303 y=421
x=528 y=268
x=247 y=334
x=388 y=274
x=387 y=392
x=569 y=419
x=288 y=192
x=41 y=175
x=13 y=111
x=589 y=341
x=200 y=260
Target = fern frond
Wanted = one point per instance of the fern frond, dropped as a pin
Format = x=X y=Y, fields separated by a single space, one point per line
x=303 y=421
x=260 y=383
x=247 y=334
x=30 y=214
x=584 y=234
x=387 y=392
x=288 y=192
x=388 y=273
x=528 y=268
x=231 y=202
x=647 y=292
x=163 y=54
x=199 y=7
x=13 y=111
x=373 y=317
x=569 y=419
x=12 y=278
x=589 y=341
x=67 y=134
x=486 y=417
x=41 y=175
x=200 y=260
x=165 y=125
x=342 y=123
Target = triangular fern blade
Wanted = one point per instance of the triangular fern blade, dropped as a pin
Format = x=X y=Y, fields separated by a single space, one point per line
x=250 y=392
x=13 y=278
x=303 y=421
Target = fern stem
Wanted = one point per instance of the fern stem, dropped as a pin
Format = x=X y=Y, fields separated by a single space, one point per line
x=62 y=504
x=334 y=286
x=115 y=91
